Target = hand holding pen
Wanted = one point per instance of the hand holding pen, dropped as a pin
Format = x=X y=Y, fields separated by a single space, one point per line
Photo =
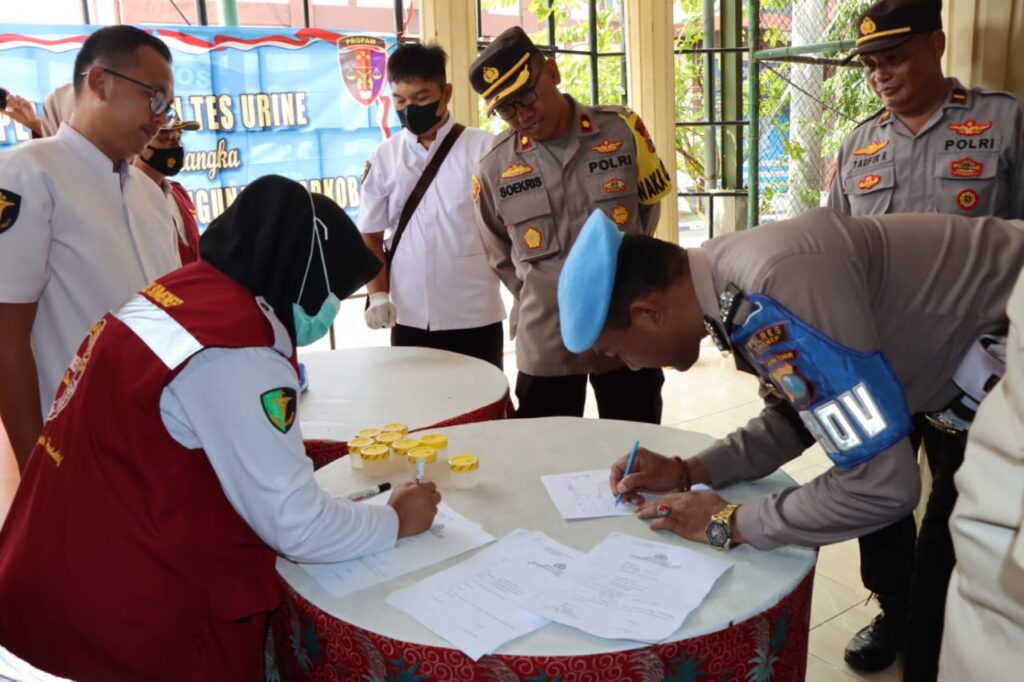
x=648 y=471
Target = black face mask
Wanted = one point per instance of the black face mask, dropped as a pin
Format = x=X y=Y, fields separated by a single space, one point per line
x=419 y=118
x=166 y=161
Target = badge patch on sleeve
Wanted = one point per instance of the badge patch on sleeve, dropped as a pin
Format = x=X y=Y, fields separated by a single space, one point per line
x=851 y=402
x=653 y=182
x=10 y=206
x=279 y=405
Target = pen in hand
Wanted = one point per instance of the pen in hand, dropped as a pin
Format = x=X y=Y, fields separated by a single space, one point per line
x=629 y=467
x=369 y=492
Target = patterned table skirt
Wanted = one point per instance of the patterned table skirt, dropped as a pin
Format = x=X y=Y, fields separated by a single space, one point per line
x=323 y=452
x=309 y=644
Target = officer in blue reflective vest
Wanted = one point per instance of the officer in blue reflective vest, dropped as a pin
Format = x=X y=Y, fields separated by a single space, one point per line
x=851 y=323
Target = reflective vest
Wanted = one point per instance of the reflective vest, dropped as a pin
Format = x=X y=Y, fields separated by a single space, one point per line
x=121 y=557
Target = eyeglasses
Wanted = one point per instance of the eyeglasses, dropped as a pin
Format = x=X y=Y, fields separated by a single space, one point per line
x=507 y=110
x=159 y=102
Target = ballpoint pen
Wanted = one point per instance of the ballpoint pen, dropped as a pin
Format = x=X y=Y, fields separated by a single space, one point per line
x=629 y=467
x=369 y=492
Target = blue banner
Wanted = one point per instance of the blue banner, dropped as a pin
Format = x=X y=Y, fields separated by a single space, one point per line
x=308 y=104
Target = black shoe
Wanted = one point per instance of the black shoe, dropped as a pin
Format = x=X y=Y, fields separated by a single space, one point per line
x=878 y=644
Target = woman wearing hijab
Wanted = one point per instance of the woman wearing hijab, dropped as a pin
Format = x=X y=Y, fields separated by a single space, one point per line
x=142 y=539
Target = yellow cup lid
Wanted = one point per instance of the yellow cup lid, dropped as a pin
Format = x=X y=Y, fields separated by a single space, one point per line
x=427 y=454
x=356 y=444
x=435 y=440
x=368 y=433
x=388 y=438
x=395 y=426
x=405 y=445
x=374 y=453
x=463 y=463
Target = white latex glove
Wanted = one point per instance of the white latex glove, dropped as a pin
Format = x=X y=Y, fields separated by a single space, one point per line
x=381 y=313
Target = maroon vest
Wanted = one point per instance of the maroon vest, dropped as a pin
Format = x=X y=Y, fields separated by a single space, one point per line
x=189 y=251
x=121 y=558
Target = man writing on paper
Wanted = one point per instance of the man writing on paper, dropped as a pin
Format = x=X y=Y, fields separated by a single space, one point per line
x=850 y=323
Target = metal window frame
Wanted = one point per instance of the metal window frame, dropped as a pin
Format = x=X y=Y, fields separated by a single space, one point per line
x=551 y=47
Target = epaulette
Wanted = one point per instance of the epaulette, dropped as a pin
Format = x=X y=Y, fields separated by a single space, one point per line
x=613 y=109
x=870 y=118
x=502 y=138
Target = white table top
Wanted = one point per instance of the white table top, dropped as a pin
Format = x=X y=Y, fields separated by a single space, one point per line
x=513 y=454
x=360 y=388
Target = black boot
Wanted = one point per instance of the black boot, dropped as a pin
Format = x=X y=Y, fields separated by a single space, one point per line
x=876 y=646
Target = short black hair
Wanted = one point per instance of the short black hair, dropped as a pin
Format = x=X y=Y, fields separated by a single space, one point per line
x=645 y=264
x=114 y=45
x=413 y=60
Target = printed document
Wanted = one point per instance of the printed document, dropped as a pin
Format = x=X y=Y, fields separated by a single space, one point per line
x=475 y=604
x=628 y=588
x=450 y=535
x=586 y=495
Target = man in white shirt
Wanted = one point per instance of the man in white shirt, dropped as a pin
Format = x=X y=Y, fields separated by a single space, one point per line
x=439 y=290
x=80 y=228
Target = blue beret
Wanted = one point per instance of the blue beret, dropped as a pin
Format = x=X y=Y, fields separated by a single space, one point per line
x=585 y=284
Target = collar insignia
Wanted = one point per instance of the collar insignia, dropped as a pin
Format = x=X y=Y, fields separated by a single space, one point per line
x=586 y=125
x=525 y=142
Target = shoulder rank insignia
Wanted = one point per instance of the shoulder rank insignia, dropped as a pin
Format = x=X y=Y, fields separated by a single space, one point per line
x=967 y=199
x=607 y=146
x=970 y=127
x=728 y=303
x=279 y=406
x=533 y=238
x=516 y=169
x=525 y=143
x=868 y=182
x=872 y=148
x=10 y=206
x=966 y=168
x=586 y=125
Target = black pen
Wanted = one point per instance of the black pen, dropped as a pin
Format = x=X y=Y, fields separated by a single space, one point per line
x=369 y=492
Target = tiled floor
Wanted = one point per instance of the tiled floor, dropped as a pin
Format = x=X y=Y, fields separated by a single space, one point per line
x=712 y=398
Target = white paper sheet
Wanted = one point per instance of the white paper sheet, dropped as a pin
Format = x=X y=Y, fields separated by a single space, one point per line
x=475 y=605
x=628 y=588
x=450 y=535
x=586 y=495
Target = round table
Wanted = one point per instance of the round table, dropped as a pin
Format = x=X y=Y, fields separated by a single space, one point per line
x=360 y=388
x=753 y=625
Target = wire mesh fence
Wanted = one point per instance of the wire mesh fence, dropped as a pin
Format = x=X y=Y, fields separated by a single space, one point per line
x=809 y=100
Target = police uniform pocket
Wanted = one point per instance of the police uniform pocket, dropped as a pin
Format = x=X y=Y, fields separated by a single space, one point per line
x=870 y=191
x=965 y=183
x=616 y=195
x=531 y=226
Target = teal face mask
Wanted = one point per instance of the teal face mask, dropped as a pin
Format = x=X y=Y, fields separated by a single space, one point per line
x=310 y=329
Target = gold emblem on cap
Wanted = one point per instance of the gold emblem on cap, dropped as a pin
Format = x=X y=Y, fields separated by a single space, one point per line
x=867 y=27
x=490 y=74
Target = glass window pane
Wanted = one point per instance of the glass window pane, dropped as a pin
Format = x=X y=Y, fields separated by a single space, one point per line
x=611 y=80
x=572 y=25
x=610 y=22
x=575 y=70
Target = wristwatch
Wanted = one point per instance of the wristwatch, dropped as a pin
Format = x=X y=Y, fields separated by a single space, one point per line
x=719 y=528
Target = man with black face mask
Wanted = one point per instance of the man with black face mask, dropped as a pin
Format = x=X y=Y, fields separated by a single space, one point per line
x=162 y=158
x=437 y=289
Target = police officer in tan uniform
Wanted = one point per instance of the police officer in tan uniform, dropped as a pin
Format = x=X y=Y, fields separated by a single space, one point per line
x=852 y=324
x=532 y=193
x=934 y=147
